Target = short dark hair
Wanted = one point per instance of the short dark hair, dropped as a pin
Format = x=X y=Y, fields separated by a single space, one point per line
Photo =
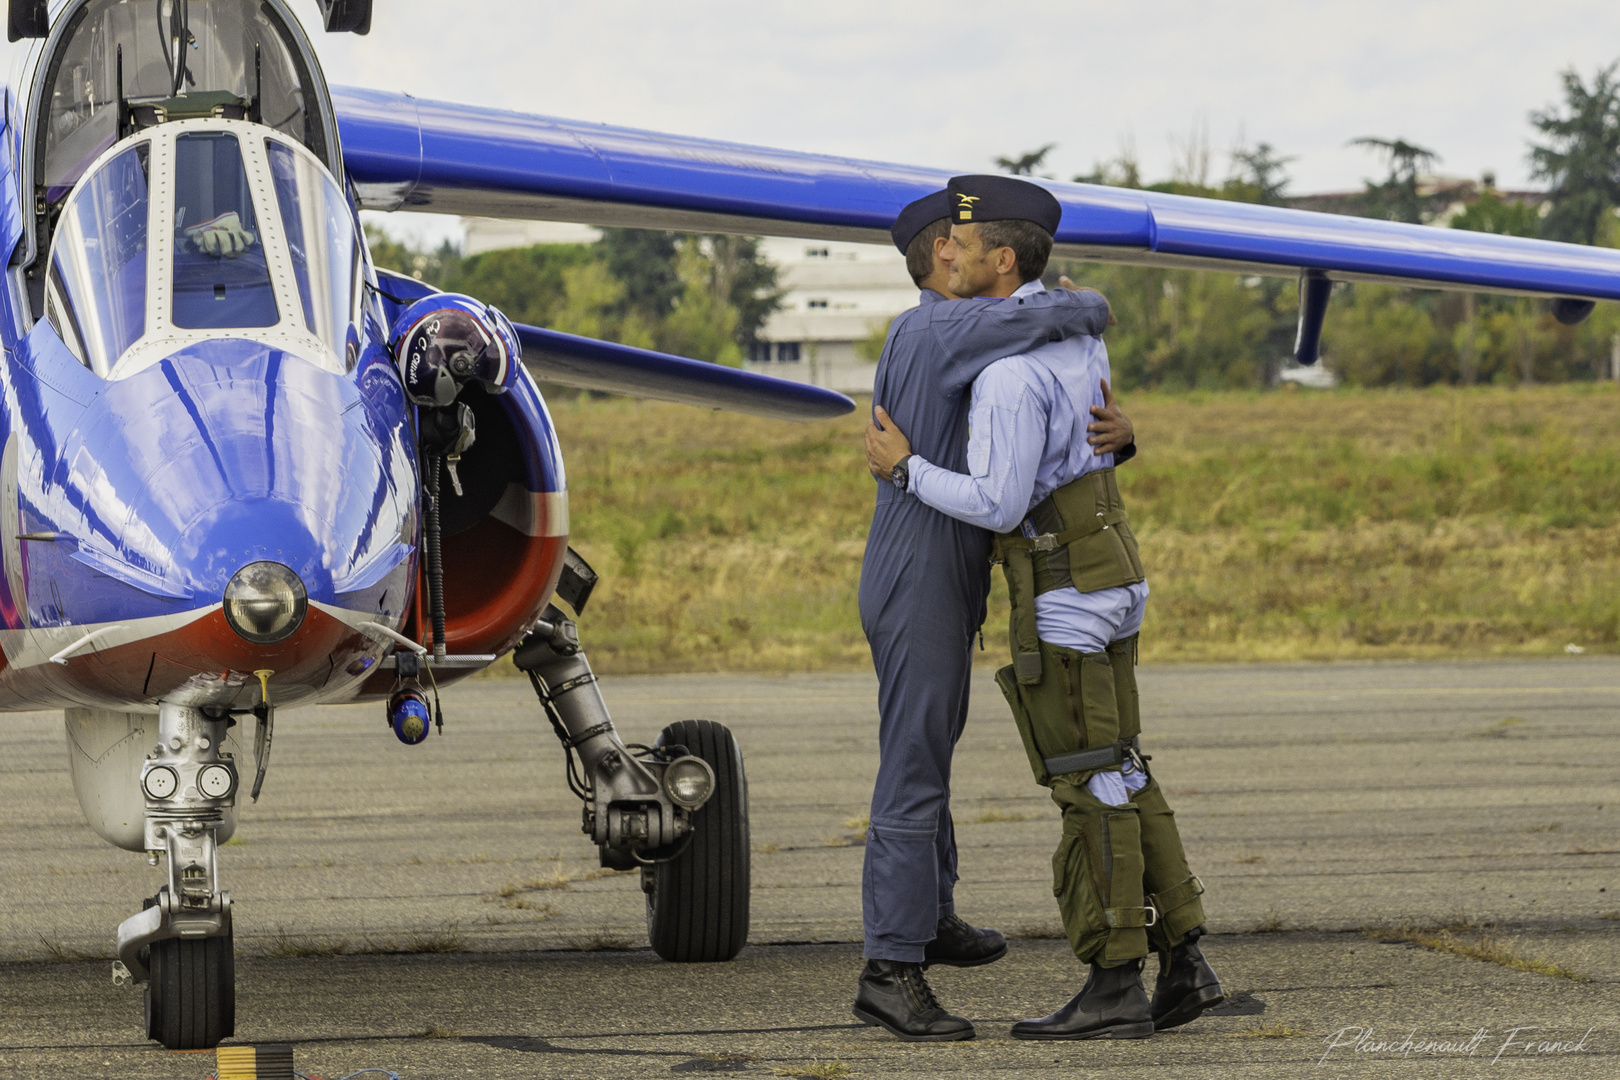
x=1030 y=243
x=920 y=252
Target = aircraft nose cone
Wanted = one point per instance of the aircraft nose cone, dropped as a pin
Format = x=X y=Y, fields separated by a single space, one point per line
x=246 y=480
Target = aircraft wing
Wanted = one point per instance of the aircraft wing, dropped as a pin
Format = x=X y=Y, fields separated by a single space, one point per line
x=404 y=152
x=587 y=364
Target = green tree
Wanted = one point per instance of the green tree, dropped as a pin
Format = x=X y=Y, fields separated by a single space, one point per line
x=747 y=280
x=1259 y=175
x=429 y=266
x=1491 y=213
x=1026 y=164
x=1398 y=198
x=1581 y=156
x=703 y=325
x=529 y=284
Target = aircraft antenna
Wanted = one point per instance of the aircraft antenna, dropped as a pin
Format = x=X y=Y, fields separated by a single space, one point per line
x=256 y=113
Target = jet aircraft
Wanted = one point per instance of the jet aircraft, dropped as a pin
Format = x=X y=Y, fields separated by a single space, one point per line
x=242 y=469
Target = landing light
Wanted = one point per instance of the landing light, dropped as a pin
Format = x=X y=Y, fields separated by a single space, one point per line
x=689 y=782
x=265 y=603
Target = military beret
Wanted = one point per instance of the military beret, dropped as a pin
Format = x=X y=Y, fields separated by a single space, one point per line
x=1002 y=198
x=918 y=216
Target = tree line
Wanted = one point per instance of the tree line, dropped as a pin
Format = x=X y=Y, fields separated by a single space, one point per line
x=696 y=295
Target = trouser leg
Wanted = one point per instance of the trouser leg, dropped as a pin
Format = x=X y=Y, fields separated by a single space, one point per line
x=1097 y=878
x=1097 y=869
x=1167 y=879
x=910 y=857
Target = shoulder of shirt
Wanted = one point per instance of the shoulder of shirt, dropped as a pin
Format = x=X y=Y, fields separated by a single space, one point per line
x=1012 y=373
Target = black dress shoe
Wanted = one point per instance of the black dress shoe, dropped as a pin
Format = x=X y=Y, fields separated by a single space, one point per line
x=1187 y=986
x=1112 y=1005
x=896 y=996
x=956 y=944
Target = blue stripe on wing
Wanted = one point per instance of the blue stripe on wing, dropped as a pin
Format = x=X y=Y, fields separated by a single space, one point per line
x=407 y=153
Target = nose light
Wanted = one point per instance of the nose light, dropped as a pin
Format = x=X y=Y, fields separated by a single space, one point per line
x=689 y=782
x=265 y=602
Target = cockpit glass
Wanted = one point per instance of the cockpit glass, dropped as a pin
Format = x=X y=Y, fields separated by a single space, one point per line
x=320 y=238
x=221 y=278
x=96 y=292
x=186 y=58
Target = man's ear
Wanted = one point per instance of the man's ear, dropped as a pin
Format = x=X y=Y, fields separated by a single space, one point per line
x=1006 y=261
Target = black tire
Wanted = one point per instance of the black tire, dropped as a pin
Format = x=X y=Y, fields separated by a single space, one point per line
x=697 y=902
x=191 y=996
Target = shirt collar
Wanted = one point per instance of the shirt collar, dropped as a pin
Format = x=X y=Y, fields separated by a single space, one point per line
x=1029 y=288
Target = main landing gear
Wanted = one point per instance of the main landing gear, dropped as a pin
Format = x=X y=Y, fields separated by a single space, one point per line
x=677 y=810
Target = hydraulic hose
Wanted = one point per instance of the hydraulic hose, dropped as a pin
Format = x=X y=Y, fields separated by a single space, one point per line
x=435 y=561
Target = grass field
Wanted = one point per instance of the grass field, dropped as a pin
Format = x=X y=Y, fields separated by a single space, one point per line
x=1285 y=525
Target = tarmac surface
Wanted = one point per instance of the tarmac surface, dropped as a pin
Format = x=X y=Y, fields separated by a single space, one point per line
x=434 y=911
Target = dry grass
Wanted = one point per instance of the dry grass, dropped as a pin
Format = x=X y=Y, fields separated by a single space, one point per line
x=1276 y=526
x=816 y=1070
x=446 y=939
x=58 y=953
x=994 y=816
x=597 y=943
x=1473 y=941
x=1612 y=916
x=1272 y=923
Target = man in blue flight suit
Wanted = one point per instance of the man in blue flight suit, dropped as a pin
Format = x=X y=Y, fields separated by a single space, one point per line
x=924 y=581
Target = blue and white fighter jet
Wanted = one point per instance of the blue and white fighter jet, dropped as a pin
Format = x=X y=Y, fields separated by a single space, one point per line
x=242 y=469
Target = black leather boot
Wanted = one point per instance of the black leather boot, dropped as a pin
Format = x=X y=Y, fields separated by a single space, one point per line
x=1186 y=987
x=1112 y=1005
x=956 y=944
x=896 y=996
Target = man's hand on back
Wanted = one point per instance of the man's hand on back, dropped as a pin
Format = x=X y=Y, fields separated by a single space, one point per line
x=886 y=446
x=1110 y=432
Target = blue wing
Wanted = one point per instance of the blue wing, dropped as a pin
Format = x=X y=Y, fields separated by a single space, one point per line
x=406 y=153
x=587 y=364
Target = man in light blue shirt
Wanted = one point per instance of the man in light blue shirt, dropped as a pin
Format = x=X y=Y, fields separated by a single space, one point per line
x=1078 y=599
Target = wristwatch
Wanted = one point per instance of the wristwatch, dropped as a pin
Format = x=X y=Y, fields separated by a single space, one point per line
x=902 y=473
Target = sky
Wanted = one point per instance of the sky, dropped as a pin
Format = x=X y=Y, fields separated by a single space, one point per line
x=954 y=84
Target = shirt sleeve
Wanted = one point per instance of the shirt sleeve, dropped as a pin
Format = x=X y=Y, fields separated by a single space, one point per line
x=965 y=332
x=1004 y=451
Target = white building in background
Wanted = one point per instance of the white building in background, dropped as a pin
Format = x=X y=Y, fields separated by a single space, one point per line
x=838 y=295
x=492 y=234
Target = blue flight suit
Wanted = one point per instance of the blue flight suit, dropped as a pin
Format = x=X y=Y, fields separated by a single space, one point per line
x=924 y=581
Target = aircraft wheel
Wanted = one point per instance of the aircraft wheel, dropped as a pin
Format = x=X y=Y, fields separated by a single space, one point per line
x=191 y=996
x=697 y=901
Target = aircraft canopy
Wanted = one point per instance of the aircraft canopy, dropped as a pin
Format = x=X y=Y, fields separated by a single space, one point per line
x=205 y=229
x=180 y=59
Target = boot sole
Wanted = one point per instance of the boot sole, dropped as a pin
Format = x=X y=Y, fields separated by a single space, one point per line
x=992 y=958
x=1119 y=1031
x=1191 y=1007
x=871 y=1020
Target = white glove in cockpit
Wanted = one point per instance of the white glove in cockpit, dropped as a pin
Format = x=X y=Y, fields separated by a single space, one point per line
x=222 y=235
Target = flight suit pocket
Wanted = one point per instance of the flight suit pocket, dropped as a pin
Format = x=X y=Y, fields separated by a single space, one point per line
x=1099 y=705
x=1079 y=897
x=1007 y=679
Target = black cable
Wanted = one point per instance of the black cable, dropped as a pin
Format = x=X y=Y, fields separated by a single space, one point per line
x=435 y=566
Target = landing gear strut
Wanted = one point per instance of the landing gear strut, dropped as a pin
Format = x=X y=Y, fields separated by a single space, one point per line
x=180 y=945
x=677 y=810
